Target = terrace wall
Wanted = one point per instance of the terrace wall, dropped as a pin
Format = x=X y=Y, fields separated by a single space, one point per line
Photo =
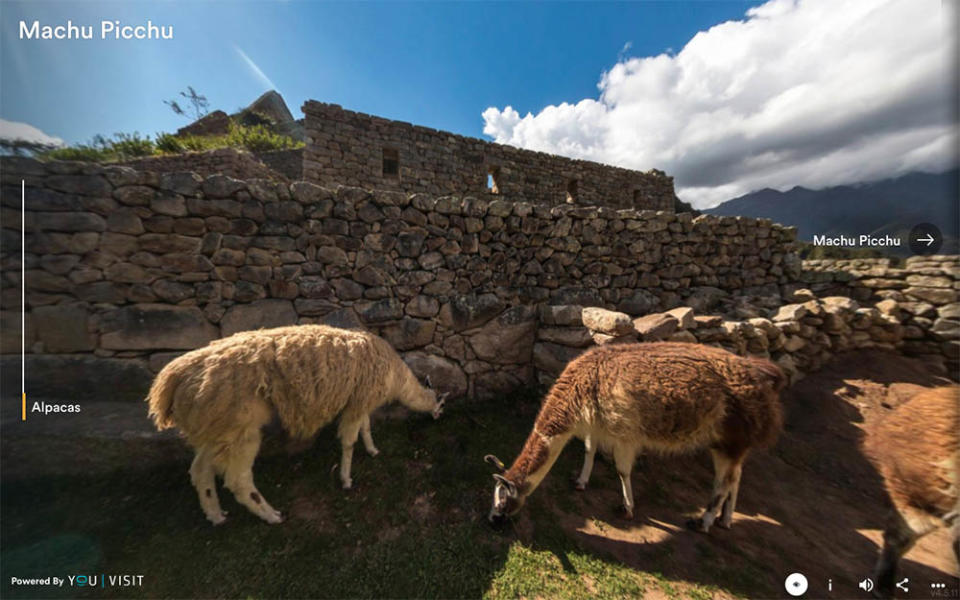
x=125 y=269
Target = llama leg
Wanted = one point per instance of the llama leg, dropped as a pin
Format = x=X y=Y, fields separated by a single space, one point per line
x=367 y=438
x=722 y=465
x=730 y=505
x=203 y=476
x=903 y=530
x=348 y=437
x=590 y=450
x=624 y=457
x=238 y=478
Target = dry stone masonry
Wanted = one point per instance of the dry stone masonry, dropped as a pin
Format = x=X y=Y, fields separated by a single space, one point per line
x=923 y=291
x=346 y=147
x=282 y=165
x=126 y=269
x=800 y=336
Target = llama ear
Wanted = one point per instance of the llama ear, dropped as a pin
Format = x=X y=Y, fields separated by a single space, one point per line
x=511 y=487
x=495 y=462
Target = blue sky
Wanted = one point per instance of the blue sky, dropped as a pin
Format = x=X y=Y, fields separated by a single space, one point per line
x=728 y=97
x=437 y=64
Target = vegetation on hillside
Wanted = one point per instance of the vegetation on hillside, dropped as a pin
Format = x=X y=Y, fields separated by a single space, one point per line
x=127 y=146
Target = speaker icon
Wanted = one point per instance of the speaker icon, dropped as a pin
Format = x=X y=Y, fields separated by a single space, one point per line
x=866 y=585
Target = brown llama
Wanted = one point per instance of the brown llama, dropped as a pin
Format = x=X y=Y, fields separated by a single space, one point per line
x=220 y=397
x=916 y=449
x=665 y=397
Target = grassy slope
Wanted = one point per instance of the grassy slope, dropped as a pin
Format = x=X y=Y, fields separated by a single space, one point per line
x=413 y=527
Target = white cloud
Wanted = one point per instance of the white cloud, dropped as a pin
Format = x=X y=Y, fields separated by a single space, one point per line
x=810 y=92
x=12 y=130
x=257 y=71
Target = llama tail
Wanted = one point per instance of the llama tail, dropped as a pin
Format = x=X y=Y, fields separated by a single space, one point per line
x=160 y=397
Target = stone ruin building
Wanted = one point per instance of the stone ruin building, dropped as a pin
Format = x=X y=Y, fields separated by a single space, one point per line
x=351 y=148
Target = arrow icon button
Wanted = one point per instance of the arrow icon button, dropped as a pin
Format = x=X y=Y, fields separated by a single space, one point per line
x=925 y=238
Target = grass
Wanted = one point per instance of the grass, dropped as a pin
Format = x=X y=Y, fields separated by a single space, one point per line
x=126 y=146
x=414 y=526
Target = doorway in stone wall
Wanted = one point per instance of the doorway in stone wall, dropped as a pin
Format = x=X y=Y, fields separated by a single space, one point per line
x=573 y=187
x=493 y=179
x=391 y=163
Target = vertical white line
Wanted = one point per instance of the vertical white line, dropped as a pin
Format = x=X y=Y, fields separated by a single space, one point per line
x=23 y=298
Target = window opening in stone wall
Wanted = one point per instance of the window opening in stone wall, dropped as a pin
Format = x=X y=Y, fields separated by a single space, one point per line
x=572 y=187
x=637 y=197
x=391 y=163
x=493 y=176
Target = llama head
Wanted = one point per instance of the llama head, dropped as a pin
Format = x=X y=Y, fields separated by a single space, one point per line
x=434 y=401
x=507 y=499
x=422 y=397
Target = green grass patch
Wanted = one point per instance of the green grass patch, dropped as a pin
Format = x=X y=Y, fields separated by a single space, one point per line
x=127 y=146
x=415 y=526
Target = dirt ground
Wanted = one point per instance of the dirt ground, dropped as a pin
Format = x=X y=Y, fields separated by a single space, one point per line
x=812 y=504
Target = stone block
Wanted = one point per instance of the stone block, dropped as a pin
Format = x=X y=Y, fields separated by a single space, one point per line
x=564 y=314
x=156 y=327
x=790 y=312
x=262 y=314
x=445 y=376
x=577 y=337
x=10 y=325
x=508 y=339
x=553 y=358
x=606 y=321
x=63 y=328
x=467 y=312
x=408 y=334
x=684 y=316
x=655 y=327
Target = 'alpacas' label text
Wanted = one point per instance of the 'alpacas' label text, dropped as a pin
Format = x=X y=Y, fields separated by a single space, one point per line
x=45 y=408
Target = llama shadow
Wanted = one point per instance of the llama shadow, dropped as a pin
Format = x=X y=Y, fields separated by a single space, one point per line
x=812 y=504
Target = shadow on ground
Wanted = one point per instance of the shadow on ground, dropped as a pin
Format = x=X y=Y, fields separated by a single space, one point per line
x=88 y=502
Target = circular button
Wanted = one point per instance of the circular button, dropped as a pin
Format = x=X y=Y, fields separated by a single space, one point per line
x=925 y=238
x=795 y=584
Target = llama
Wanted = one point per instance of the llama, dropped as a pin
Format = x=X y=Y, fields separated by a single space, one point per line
x=666 y=397
x=220 y=397
x=916 y=449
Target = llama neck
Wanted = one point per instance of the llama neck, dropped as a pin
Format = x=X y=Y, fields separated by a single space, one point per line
x=533 y=464
x=554 y=427
x=412 y=394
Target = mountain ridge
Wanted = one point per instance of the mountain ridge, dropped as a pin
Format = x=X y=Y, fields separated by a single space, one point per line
x=889 y=206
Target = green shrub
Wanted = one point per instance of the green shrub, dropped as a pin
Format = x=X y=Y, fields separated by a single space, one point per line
x=258 y=138
x=199 y=143
x=126 y=146
x=168 y=143
x=82 y=152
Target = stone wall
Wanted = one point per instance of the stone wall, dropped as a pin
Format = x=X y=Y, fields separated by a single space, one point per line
x=346 y=147
x=288 y=163
x=800 y=336
x=226 y=161
x=924 y=289
x=125 y=269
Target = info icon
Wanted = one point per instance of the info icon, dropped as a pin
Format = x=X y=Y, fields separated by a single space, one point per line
x=795 y=584
x=925 y=238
